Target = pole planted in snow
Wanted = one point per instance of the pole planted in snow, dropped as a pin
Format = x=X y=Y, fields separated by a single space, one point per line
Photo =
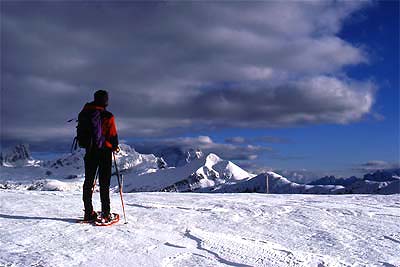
x=120 y=187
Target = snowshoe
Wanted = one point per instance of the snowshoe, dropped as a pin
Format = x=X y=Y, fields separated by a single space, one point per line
x=89 y=217
x=107 y=220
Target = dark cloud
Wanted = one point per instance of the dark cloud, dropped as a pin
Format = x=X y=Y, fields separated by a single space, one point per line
x=273 y=139
x=174 y=66
x=236 y=140
x=375 y=165
x=263 y=139
x=288 y=157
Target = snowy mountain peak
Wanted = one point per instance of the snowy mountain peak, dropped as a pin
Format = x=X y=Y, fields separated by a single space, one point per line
x=224 y=170
x=275 y=175
x=212 y=159
x=204 y=174
x=128 y=159
x=198 y=153
x=18 y=157
x=193 y=154
x=125 y=150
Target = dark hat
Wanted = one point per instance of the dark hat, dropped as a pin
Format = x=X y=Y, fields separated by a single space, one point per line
x=101 y=97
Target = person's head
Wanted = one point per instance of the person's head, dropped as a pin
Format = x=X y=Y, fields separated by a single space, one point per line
x=101 y=98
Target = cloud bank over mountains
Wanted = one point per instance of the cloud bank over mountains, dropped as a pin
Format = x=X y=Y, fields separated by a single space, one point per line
x=374 y=165
x=172 y=66
x=228 y=151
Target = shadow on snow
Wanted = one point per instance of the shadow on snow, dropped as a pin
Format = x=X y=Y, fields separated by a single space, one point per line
x=21 y=217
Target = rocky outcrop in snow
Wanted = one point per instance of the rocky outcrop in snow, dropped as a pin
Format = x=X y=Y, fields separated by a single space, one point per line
x=20 y=156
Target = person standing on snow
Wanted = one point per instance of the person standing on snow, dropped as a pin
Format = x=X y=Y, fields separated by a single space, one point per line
x=98 y=158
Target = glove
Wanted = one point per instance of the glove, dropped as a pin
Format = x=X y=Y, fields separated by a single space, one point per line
x=116 y=149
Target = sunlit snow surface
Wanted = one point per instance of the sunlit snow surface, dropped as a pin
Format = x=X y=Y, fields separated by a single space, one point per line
x=174 y=229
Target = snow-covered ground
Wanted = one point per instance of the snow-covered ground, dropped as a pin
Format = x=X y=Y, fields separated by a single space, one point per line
x=38 y=228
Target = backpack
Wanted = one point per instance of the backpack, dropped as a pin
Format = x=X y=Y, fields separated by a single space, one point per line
x=84 y=131
x=88 y=129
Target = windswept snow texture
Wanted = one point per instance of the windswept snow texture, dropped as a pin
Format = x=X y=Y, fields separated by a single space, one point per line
x=171 y=229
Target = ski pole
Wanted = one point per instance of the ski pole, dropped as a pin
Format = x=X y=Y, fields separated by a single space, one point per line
x=120 y=187
x=95 y=179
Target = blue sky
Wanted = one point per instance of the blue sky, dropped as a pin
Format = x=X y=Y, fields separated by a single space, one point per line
x=266 y=85
x=342 y=149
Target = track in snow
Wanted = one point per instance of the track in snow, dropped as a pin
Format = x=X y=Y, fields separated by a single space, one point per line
x=175 y=229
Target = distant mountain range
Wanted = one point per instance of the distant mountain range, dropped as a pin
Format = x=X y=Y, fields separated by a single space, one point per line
x=380 y=181
x=184 y=171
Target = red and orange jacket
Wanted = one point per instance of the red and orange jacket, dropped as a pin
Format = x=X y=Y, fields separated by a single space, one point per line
x=103 y=125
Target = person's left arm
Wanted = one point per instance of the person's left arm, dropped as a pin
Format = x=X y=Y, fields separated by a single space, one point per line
x=113 y=135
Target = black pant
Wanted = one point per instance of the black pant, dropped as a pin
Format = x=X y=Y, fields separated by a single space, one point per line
x=97 y=159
